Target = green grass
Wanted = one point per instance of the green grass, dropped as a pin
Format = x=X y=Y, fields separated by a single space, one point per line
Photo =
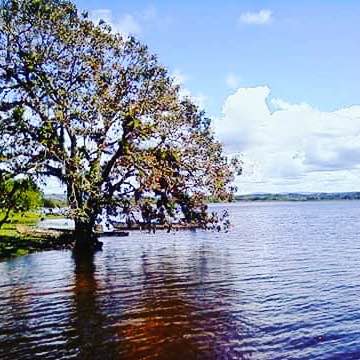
x=53 y=216
x=9 y=228
x=11 y=242
x=14 y=244
x=28 y=218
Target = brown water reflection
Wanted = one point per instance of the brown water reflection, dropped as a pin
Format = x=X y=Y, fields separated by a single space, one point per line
x=170 y=322
x=167 y=318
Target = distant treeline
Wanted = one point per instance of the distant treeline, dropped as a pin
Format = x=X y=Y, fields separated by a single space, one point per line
x=299 y=196
x=59 y=201
x=54 y=203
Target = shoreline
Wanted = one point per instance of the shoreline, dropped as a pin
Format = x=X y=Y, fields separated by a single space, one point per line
x=21 y=236
x=24 y=235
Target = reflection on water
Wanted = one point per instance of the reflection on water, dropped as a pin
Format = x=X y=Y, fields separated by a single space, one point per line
x=283 y=283
x=171 y=318
x=91 y=335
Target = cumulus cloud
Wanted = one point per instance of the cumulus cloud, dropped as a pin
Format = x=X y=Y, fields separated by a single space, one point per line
x=261 y=17
x=294 y=145
x=200 y=99
x=125 y=24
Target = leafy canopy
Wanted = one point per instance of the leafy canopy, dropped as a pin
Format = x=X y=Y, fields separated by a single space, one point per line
x=97 y=111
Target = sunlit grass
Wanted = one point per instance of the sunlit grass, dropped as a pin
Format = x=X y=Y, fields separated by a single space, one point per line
x=12 y=243
x=27 y=218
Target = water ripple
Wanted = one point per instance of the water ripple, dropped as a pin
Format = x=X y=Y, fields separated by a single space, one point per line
x=283 y=283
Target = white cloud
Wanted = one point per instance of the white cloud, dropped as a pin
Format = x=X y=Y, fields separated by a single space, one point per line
x=261 y=17
x=232 y=81
x=198 y=99
x=101 y=14
x=148 y=19
x=126 y=24
x=180 y=78
x=295 y=147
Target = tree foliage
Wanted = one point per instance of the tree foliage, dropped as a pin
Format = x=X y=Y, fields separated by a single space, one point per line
x=17 y=195
x=97 y=111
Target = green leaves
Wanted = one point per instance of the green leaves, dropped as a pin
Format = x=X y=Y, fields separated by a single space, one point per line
x=17 y=195
x=18 y=114
x=100 y=112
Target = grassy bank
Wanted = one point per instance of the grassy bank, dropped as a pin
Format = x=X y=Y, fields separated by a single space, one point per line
x=15 y=243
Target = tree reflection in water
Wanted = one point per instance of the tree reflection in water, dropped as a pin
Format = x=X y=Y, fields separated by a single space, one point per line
x=145 y=304
x=92 y=337
x=162 y=308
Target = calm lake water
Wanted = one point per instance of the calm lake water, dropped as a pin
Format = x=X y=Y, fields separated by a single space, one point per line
x=284 y=283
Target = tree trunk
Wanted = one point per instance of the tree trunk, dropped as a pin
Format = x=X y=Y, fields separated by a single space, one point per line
x=85 y=238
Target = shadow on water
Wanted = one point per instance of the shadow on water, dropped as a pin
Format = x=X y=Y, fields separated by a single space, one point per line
x=163 y=326
x=10 y=338
x=93 y=339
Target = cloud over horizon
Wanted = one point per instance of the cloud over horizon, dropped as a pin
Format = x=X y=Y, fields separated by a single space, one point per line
x=291 y=146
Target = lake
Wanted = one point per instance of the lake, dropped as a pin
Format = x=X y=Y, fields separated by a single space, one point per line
x=284 y=282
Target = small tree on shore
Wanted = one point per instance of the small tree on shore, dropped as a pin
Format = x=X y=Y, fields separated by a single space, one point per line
x=17 y=196
x=97 y=111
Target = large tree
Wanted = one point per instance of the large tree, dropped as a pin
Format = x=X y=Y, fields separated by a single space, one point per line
x=97 y=111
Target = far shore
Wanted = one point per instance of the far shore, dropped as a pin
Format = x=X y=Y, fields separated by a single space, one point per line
x=298 y=196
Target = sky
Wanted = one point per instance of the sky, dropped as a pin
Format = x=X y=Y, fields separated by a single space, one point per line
x=281 y=80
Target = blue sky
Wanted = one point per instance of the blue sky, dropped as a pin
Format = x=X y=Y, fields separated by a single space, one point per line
x=298 y=58
x=308 y=52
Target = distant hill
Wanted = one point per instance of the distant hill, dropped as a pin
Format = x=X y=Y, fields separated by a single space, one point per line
x=61 y=197
x=316 y=196
x=54 y=201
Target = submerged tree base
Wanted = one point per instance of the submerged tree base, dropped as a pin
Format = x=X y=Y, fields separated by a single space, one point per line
x=21 y=237
x=88 y=243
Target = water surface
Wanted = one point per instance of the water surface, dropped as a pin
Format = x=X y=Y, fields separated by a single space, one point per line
x=283 y=283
